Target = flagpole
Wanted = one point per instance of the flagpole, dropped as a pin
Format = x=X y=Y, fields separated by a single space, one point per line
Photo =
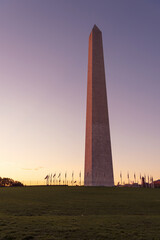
x=80 y=178
x=128 y=178
x=65 y=178
x=121 y=177
x=135 y=177
x=72 y=178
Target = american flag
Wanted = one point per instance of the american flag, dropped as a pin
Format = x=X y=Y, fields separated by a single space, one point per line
x=59 y=175
x=54 y=175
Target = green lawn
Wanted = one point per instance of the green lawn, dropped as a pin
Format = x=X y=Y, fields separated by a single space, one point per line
x=79 y=213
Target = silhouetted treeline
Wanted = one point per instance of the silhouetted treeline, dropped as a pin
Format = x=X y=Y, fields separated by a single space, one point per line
x=8 y=182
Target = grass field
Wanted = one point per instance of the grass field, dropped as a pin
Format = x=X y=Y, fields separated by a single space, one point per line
x=79 y=213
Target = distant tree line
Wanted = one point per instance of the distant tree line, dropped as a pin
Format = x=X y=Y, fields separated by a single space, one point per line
x=8 y=182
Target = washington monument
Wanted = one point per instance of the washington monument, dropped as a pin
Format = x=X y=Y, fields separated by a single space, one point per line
x=98 y=155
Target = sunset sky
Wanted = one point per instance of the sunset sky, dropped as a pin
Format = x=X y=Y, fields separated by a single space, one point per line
x=43 y=85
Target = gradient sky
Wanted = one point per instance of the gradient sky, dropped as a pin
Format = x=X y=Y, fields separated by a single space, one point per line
x=43 y=84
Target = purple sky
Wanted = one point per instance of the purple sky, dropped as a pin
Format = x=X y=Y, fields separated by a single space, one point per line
x=43 y=76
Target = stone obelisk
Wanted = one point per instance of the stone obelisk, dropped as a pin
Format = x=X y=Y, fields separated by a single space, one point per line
x=98 y=155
